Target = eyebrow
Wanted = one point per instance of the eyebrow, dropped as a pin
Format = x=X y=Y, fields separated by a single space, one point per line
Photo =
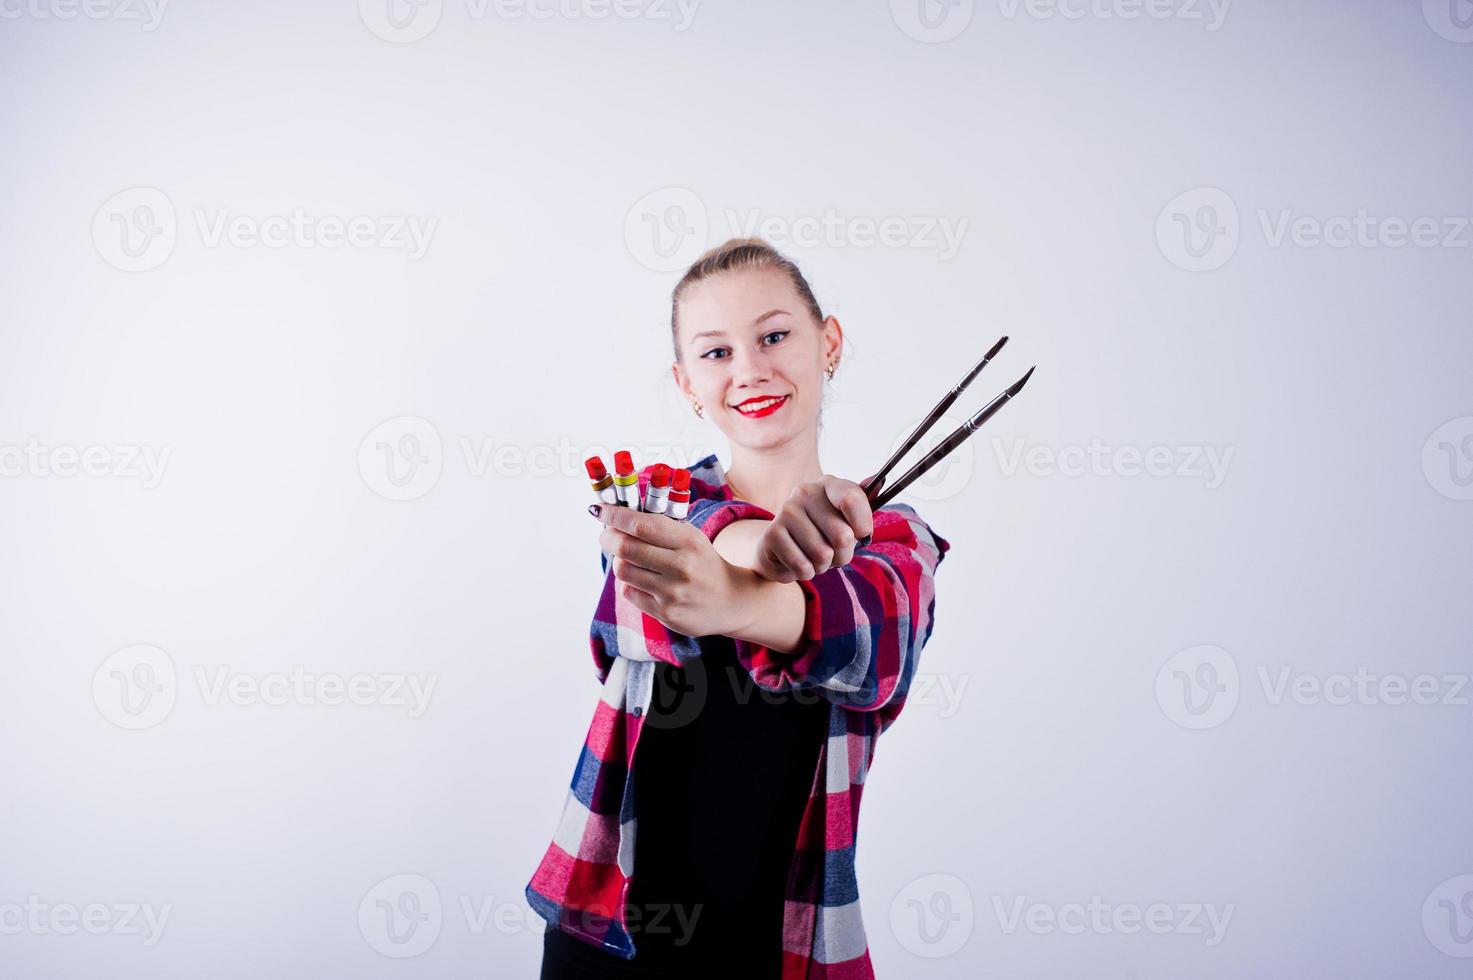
x=722 y=333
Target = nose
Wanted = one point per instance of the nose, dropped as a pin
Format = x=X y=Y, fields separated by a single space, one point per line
x=749 y=369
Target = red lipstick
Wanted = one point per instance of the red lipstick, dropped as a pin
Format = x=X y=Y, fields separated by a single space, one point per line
x=780 y=401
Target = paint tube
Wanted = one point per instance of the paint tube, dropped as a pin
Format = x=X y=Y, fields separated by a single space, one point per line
x=626 y=480
x=679 y=495
x=658 y=491
x=603 y=484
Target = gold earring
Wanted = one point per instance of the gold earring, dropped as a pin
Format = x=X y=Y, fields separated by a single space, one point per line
x=833 y=366
x=697 y=406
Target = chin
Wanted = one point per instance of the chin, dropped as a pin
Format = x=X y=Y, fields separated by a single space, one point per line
x=759 y=436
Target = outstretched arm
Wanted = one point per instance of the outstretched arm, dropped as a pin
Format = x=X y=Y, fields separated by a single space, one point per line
x=854 y=633
x=864 y=623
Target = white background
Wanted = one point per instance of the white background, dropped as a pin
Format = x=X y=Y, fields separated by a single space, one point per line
x=1337 y=539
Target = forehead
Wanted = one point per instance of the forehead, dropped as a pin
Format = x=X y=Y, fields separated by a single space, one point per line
x=732 y=301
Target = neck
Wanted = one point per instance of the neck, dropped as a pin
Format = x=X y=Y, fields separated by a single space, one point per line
x=766 y=477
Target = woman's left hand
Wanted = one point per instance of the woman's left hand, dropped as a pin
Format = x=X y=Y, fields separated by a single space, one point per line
x=670 y=570
x=819 y=528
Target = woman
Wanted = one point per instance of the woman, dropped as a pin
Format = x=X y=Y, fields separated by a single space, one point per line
x=768 y=640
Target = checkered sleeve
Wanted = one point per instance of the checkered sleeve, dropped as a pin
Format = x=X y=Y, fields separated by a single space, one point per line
x=622 y=629
x=865 y=623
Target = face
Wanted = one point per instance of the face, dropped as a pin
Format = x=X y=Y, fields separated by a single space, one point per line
x=754 y=357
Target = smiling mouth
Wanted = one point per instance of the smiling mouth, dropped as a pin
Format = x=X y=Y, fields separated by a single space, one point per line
x=757 y=409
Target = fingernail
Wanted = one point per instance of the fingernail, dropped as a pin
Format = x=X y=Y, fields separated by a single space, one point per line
x=865 y=540
x=594 y=509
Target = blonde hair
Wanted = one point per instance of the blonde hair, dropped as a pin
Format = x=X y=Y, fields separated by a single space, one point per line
x=734 y=254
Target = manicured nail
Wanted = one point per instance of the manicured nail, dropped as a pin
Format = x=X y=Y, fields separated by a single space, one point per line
x=866 y=539
x=594 y=509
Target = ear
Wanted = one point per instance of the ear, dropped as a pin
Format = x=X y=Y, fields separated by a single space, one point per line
x=681 y=381
x=833 y=338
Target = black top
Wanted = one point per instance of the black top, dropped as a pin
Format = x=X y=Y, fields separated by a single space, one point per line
x=722 y=774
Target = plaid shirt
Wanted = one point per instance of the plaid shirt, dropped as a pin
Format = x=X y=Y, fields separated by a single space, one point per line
x=864 y=628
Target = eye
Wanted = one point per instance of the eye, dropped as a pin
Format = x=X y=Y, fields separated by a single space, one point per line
x=779 y=334
x=714 y=350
